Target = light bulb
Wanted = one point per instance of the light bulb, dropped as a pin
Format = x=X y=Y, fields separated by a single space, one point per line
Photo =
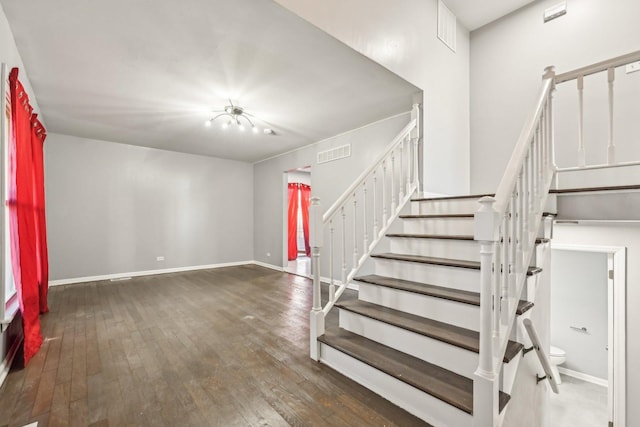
x=241 y=127
x=207 y=123
x=225 y=125
x=254 y=129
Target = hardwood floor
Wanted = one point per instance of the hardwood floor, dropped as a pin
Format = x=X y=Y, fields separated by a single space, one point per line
x=224 y=347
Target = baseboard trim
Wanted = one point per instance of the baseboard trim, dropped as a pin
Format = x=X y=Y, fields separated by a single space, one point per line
x=6 y=363
x=116 y=276
x=124 y=276
x=265 y=265
x=583 y=377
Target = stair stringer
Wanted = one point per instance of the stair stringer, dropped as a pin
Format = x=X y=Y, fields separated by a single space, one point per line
x=529 y=405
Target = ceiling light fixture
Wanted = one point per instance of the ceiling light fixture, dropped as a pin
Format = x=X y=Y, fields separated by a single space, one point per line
x=235 y=115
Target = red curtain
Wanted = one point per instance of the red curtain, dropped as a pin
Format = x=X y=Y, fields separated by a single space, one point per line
x=38 y=135
x=292 y=222
x=26 y=257
x=305 y=201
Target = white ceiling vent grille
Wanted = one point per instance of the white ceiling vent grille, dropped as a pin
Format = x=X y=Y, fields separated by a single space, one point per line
x=446 y=26
x=334 y=154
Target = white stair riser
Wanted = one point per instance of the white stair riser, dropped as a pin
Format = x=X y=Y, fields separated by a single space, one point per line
x=448 y=226
x=509 y=372
x=451 y=206
x=455 y=313
x=440 y=248
x=424 y=406
x=467 y=279
x=455 y=359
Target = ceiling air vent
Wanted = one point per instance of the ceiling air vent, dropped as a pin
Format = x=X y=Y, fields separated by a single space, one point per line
x=334 y=154
x=446 y=26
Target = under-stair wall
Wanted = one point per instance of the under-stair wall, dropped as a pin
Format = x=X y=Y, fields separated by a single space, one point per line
x=529 y=405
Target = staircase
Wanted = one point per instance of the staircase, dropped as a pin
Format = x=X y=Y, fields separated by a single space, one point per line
x=449 y=288
x=413 y=333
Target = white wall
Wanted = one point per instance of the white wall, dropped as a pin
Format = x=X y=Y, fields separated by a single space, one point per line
x=626 y=235
x=402 y=37
x=330 y=180
x=303 y=177
x=9 y=55
x=579 y=298
x=507 y=61
x=113 y=208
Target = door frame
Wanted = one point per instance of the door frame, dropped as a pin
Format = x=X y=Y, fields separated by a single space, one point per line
x=285 y=221
x=617 y=341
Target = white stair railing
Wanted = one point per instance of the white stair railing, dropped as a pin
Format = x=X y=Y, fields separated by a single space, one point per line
x=506 y=227
x=578 y=75
x=343 y=238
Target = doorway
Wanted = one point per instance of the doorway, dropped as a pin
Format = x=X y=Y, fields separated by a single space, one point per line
x=297 y=252
x=588 y=292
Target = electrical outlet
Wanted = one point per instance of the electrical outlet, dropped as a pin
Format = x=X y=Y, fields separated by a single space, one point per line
x=633 y=67
x=159 y=258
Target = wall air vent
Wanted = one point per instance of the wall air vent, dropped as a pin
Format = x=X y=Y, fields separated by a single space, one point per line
x=334 y=154
x=446 y=26
x=555 y=11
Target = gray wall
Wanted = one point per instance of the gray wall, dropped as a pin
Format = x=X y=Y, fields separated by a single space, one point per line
x=507 y=61
x=330 y=180
x=621 y=235
x=579 y=298
x=402 y=36
x=113 y=208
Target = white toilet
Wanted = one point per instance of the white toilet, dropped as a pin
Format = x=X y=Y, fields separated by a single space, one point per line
x=557 y=356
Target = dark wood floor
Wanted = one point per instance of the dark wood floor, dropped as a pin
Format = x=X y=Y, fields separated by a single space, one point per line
x=224 y=347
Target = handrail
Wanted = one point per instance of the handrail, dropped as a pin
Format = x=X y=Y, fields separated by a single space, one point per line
x=345 y=196
x=542 y=355
x=505 y=188
x=359 y=219
x=598 y=67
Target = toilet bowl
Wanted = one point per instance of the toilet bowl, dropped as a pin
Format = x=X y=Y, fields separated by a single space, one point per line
x=557 y=356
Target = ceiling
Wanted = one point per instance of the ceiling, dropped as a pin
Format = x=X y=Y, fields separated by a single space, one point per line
x=149 y=72
x=475 y=13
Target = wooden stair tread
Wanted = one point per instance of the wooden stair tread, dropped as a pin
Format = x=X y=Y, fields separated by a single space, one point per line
x=446 y=236
x=445 y=385
x=591 y=189
x=428 y=216
x=447 y=262
x=431 y=236
x=458 y=215
x=457 y=295
x=437 y=198
x=450 y=334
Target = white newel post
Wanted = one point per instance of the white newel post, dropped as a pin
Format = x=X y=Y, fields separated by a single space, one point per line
x=316 y=318
x=415 y=137
x=485 y=382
